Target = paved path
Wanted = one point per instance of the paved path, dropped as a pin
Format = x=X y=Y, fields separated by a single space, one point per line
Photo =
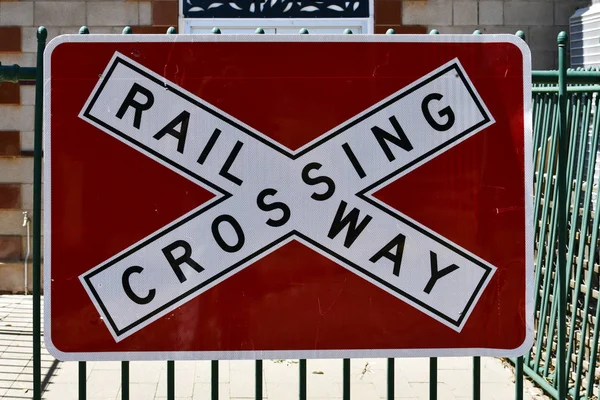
x=236 y=378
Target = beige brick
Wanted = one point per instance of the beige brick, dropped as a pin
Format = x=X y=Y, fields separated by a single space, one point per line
x=61 y=13
x=16 y=13
x=543 y=38
x=16 y=170
x=27 y=196
x=491 y=13
x=145 y=13
x=112 y=13
x=11 y=222
x=22 y=59
x=427 y=13
x=16 y=118
x=465 y=13
x=564 y=9
x=12 y=277
x=522 y=13
x=26 y=141
x=27 y=95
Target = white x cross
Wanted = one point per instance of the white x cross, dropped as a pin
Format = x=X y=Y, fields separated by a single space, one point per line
x=268 y=195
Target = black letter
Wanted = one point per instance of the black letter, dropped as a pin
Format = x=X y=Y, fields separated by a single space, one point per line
x=260 y=200
x=339 y=222
x=319 y=179
x=401 y=141
x=127 y=287
x=139 y=107
x=386 y=251
x=224 y=172
x=183 y=119
x=444 y=112
x=185 y=258
x=209 y=146
x=435 y=274
x=350 y=154
x=238 y=231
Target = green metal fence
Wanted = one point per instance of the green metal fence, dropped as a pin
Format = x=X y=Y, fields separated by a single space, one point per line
x=564 y=357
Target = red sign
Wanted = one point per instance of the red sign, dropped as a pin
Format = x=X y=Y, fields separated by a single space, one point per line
x=287 y=196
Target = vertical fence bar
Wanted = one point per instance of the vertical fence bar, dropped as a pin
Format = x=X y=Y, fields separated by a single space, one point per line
x=433 y=378
x=170 y=380
x=346 y=379
x=562 y=208
x=595 y=344
x=302 y=388
x=476 y=378
x=125 y=380
x=258 y=394
x=42 y=34
x=82 y=375
x=519 y=379
x=391 y=384
x=214 y=380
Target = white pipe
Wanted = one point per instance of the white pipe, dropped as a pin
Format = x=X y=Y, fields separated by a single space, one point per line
x=26 y=222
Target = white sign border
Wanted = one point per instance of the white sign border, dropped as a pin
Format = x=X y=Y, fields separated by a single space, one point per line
x=292 y=354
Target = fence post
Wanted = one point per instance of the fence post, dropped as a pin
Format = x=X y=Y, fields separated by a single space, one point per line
x=562 y=214
x=42 y=34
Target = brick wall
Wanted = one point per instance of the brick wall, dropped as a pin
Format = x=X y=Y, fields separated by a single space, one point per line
x=541 y=20
x=18 y=24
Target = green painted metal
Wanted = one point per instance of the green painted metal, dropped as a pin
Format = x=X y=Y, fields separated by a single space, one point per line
x=391 y=379
x=171 y=30
x=81 y=380
x=258 y=377
x=16 y=73
x=170 y=380
x=346 y=379
x=260 y=31
x=390 y=32
x=84 y=30
x=433 y=373
x=302 y=380
x=519 y=379
x=214 y=380
x=476 y=378
x=216 y=31
x=562 y=209
x=42 y=35
x=303 y=31
x=125 y=380
x=127 y=30
x=434 y=32
x=347 y=31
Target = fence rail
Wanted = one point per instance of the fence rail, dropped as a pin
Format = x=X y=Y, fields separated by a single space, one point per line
x=564 y=357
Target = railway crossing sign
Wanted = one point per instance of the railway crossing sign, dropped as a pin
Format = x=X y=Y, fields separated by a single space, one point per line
x=241 y=197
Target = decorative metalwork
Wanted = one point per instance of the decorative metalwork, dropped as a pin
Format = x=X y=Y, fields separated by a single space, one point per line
x=275 y=8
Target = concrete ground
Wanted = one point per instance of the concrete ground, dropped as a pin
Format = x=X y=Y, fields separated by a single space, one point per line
x=236 y=378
